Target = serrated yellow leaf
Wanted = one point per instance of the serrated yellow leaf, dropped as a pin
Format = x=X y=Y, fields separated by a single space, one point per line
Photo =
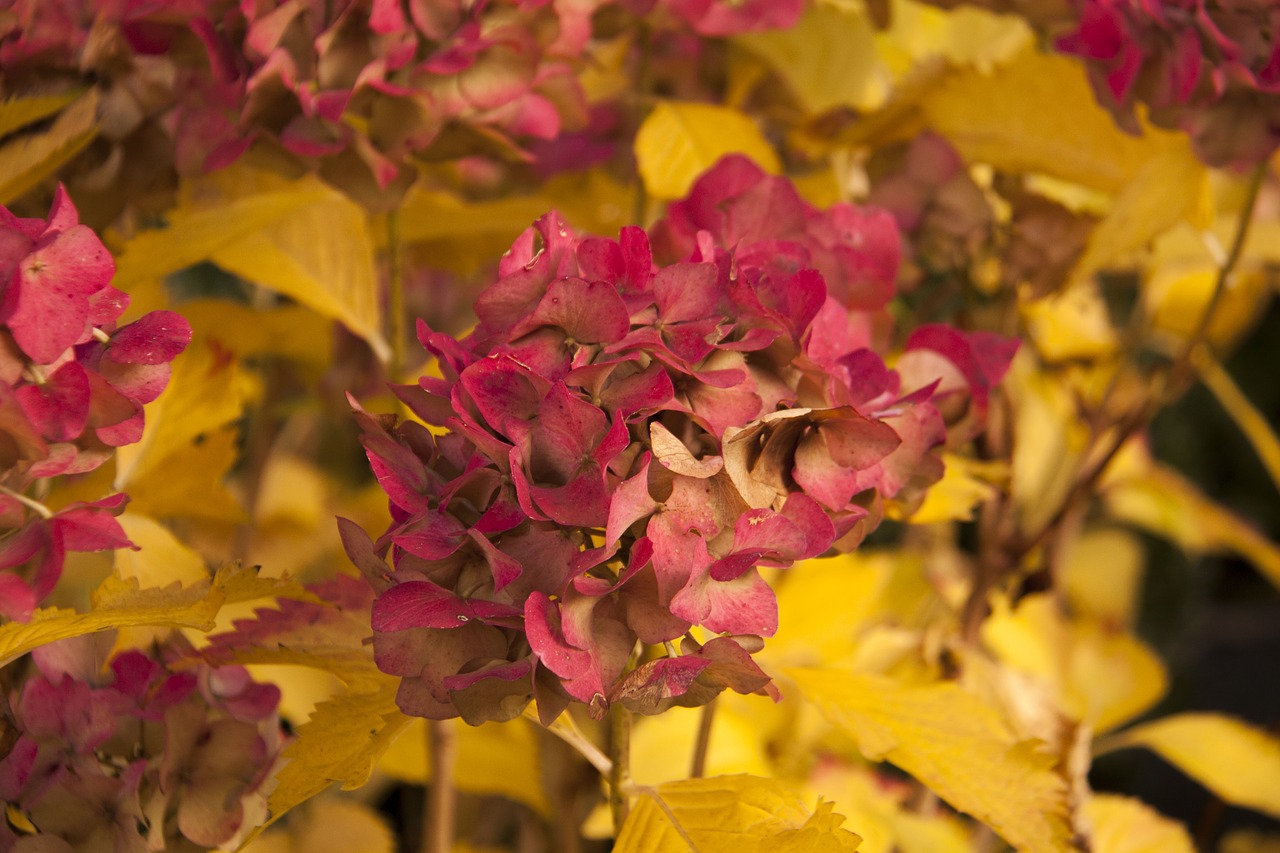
x=163 y=559
x=731 y=814
x=1038 y=114
x=678 y=141
x=19 y=112
x=302 y=239
x=955 y=743
x=120 y=603
x=1238 y=762
x=329 y=825
x=964 y=36
x=495 y=758
x=341 y=742
x=1049 y=439
x=27 y=160
x=882 y=815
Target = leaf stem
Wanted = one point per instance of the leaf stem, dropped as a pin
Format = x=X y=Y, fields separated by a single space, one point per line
x=442 y=794
x=620 y=771
x=40 y=509
x=705 y=720
x=398 y=328
x=1180 y=372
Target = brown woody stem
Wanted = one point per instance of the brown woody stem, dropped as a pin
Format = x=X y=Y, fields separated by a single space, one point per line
x=442 y=794
x=620 y=771
x=705 y=721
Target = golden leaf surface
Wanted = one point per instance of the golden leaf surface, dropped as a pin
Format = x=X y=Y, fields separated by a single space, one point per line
x=679 y=141
x=1125 y=825
x=1238 y=762
x=954 y=742
x=27 y=160
x=731 y=814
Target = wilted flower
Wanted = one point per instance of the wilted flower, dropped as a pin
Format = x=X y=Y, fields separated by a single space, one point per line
x=620 y=446
x=142 y=758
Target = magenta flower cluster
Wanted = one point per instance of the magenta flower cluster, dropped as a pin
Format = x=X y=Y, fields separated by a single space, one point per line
x=353 y=87
x=140 y=758
x=72 y=387
x=623 y=442
x=1210 y=67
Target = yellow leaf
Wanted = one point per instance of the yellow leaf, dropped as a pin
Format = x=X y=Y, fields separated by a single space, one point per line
x=1038 y=114
x=1171 y=187
x=495 y=758
x=1182 y=275
x=1099 y=676
x=163 y=558
x=332 y=825
x=289 y=331
x=120 y=603
x=883 y=817
x=1049 y=439
x=828 y=59
x=731 y=814
x=966 y=484
x=341 y=742
x=1238 y=762
x=1072 y=324
x=966 y=36
x=956 y=744
x=302 y=239
x=22 y=111
x=1251 y=422
x=1249 y=841
x=1102 y=575
x=679 y=141
x=1142 y=492
x=662 y=746
x=28 y=160
x=187 y=432
x=1124 y=825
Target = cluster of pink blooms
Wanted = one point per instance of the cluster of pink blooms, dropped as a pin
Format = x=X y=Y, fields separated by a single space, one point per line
x=633 y=429
x=72 y=388
x=354 y=87
x=1210 y=67
x=139 y=758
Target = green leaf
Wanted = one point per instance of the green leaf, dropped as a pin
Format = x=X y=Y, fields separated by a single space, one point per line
x=120 y=603
x=731 y=814
x=27 y=160
x=1238 y=762
x=956 y=744
x=19 y=112
x=679 y=141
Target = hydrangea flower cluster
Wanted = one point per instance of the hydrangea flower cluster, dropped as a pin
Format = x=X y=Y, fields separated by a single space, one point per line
x=72 y=388
x=141 y=758
x=620 y=445
x=1211 y=67
x=357 y=89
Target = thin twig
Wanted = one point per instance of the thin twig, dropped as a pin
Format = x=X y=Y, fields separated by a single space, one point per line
x=1180 y=373
x=703 y=743
x=395 y=277
x=442 y=794
x=620 y=773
